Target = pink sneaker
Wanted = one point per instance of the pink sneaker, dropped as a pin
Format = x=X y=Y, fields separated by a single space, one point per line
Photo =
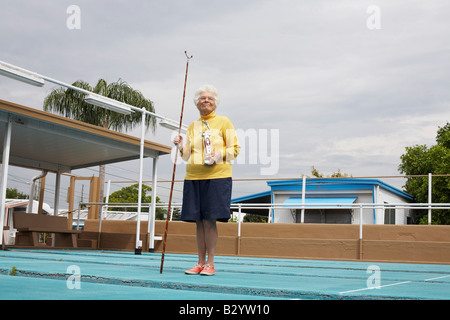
x=208 y=270
x=195 y=270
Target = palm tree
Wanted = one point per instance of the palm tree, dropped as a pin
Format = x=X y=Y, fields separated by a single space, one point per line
x=71 y=104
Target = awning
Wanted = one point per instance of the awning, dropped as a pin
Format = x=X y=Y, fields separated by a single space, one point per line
x=332 y=202
x=12 y=203
x=45 y=141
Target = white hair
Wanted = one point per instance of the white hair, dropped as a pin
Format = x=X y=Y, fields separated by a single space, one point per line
x=206 y=88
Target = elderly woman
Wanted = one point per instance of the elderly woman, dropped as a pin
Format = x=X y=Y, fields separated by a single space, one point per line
x=211 y=144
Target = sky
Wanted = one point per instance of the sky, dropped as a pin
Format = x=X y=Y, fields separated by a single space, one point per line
x=338 y=85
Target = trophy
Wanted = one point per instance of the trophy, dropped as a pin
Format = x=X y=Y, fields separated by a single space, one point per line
x=208 y=148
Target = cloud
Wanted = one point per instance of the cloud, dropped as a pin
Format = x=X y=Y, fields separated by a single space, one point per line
x=341 y=95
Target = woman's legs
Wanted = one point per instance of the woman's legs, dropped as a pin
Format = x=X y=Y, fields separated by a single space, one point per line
x=206 y=241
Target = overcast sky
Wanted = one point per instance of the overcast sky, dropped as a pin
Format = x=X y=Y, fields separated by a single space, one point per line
x=335 y=84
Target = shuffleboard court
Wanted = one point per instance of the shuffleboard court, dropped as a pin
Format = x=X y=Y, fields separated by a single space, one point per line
x=109 y=275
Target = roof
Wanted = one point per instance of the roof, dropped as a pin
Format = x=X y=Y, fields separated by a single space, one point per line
x=325 y=185
x=262 y=197
x=18 y=203
x=336 y=184
x=45 y=141
x=12 y=203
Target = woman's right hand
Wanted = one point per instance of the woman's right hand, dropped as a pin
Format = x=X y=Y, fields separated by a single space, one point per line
x=178 y=141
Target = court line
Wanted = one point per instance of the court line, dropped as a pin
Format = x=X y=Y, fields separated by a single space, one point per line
x=389 y=285
x=436 y=278
x=377 y=287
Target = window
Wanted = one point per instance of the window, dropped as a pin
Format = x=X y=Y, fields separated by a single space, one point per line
x=339 y=216
x=389 y=215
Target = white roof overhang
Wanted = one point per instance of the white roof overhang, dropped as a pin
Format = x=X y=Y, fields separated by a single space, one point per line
x=45 y=141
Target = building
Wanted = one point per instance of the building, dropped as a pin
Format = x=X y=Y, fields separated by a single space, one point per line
x=19 y=205
x=330 y=200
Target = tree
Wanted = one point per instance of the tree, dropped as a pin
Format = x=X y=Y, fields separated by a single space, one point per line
x=421 y=160
x=70 y=103
x=13 y=193
x=130 y=195
x=249 y=217
x=337 y=174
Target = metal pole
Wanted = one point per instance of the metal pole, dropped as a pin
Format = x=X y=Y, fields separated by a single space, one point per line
x=360 y=232
x=138 y=250
x=78 y=216
x=108 y=191
x=56 y=202
x=152 y=212
x=174 y=168
x=239 y=231
x=302 y=217
x=429 y=196
x=57 y=187
x=360 y=221
x=4 y=177
x=239 y=221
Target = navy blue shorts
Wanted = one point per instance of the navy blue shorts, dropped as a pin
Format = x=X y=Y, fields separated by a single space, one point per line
x=206 y=200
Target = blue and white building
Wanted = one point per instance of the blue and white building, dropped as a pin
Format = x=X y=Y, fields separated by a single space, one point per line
x=331 y=200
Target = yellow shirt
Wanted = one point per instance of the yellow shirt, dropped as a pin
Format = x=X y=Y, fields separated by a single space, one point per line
x=223 y=139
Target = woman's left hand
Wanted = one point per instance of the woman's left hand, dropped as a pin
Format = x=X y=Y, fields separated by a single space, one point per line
x=213 y=158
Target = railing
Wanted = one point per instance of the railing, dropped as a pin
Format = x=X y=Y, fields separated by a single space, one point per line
x=269 y=207
x=361 y=206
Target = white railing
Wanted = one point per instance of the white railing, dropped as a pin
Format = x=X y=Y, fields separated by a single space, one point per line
x=360 y=206
x=269 y=207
